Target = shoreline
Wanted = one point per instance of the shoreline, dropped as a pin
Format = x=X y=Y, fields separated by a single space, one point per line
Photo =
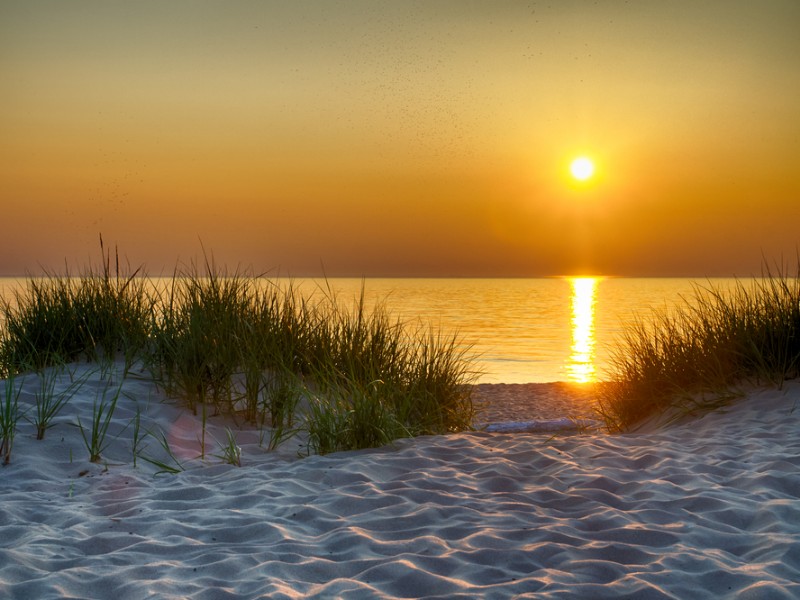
x=508 y=402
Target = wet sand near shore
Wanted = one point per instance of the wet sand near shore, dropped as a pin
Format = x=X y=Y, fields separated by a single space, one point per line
x=505 y=402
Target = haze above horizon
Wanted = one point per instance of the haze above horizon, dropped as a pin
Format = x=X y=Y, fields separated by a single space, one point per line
x=402 y=139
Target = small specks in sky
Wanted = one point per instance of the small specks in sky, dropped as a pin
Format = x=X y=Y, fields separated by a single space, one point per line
x=296 y=128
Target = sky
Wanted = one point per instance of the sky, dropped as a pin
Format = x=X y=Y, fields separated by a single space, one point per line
x=401 y=138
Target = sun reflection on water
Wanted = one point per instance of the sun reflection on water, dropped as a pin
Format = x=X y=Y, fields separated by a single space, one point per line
x=581 y=368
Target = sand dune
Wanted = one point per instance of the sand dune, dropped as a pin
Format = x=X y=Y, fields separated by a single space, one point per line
x=704 y=509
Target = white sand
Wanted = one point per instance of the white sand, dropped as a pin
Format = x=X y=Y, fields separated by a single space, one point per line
x=706 y=509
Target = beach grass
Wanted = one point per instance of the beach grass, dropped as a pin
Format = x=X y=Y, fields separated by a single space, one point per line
x=49 y=400
x=170 y=465
x=690 y=357
x=95 y=435
x=230 y=452
x=10 y=413
x=238 y=344
x=56 y=319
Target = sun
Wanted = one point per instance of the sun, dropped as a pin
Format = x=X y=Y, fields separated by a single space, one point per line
x=582 y=168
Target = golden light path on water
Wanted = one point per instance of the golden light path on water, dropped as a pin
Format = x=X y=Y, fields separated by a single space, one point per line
x=581 y=368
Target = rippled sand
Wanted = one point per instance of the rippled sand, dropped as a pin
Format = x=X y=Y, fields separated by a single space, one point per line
x=707 y=509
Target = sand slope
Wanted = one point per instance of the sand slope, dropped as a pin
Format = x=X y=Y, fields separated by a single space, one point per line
x=707 y=509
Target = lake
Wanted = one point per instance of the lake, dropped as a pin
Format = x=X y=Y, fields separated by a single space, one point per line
x=522 y=330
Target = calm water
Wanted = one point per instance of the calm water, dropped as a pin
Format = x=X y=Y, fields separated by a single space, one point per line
x=523 y=330
x=529 y=330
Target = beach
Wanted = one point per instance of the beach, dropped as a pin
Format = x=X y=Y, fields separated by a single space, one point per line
x=704 y=508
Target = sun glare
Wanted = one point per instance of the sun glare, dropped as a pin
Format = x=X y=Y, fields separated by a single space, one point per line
x=584 y=296
x=582 y=168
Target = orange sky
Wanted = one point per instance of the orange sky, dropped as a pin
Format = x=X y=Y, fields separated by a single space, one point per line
x=428 y=138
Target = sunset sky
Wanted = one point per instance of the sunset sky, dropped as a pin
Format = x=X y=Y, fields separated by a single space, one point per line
x=400 y=138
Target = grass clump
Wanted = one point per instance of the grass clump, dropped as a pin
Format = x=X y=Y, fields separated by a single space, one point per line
x=41 y=326
x=352 y=417
x=378 y=379
x=171 y=464
x=49 y=402
x=57 y=319
x=10 y=414
x=95 y=435
x=240 y=345
x=197 y=336
x=230 y=452
x=688 y=358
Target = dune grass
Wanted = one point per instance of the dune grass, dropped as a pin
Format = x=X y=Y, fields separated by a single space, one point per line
x=235 y=344
x=10 y=414
x=58 y=319
x=49 y=401
x=689 y=358
x=95 y=435
x=238 y=344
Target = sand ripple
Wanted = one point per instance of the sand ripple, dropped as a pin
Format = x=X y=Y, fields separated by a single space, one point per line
x=708 y=509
